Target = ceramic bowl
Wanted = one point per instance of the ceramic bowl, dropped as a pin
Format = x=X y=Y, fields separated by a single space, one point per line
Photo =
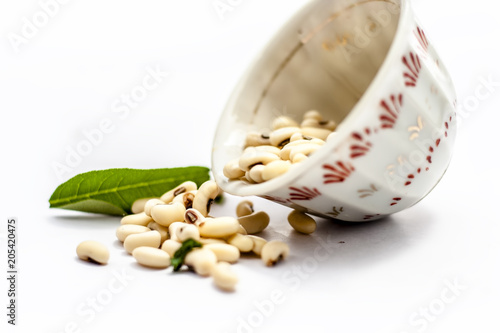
x=370 y=66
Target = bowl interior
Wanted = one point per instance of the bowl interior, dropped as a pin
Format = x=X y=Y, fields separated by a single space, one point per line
x=324 y=58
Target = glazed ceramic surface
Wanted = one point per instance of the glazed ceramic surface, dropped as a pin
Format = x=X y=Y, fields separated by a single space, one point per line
x=370 y=66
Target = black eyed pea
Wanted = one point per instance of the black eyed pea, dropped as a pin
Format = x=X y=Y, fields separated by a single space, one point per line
x=275 y=169
x=331 y=136
x=255 y=222
x=201 y=260
x=150 y=204
x=281 y=137
x=325 y=124
x=128 y=229
x=252 y=157
x=299 y=157
x=242 y=242
x=224 y=252
x=205 y=196
x=224 y=277
x=170 y=246
x=137 y=219
x=284 y=121
x=172 y=230
x=305 y=149
x=256 y=139
x=193 y=216
x=285 y=152
x=138 y=205
x=313 y=114
x=161 y=229
x=149 y=238
x=301 y=222
x=248 y=178
x=206 y=241
x=258 y=244
x=255 y=173
x=265 y=148
x=318 y=133
x=186 y=232
x=298 y=136
x=274 y=251
x=182 y=188
x=186 y=199
x=219 y=227
x=167 y=214
x=232 y=170
x=93 y=251
x=242 y=230
x=151 y=257
x=244 y=208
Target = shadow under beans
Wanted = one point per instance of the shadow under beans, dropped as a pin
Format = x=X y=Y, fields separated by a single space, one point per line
x=84 y=222
x=362 y=243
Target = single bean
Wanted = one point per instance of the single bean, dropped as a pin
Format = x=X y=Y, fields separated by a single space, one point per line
x=245 y=207
x=186 y=199
x=205 y=196
x=274 y=251
x=301 y=222
x=241 y=230
x=170 y=246
x=128 y=229
x=182 y=188
x=284 y=121
x=172 y=230
x=299 y=157
x=151 y=257
x=255 y=222
x=218 y=227
x=318 y=133
x=258 y=244
x=201 y=260
x=93 y=251
x=253 y=157
x=313 y=114
x=186 y=232
x=285 y=152
x=275 y=169
x=255 y=173
x=193 y=216
x=137 y=219
x=242 y=242
x=224 y=252
x=265 y=148
x=256 y=139
x=149 y=238
x=138 y=205
x=232 y=170
x=150 y=204
x=281 y=137
x=206 y=241
x=167 y=214
x=224 y=277
x=305 y=149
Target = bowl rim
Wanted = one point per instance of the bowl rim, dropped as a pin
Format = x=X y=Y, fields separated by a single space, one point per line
x=344 y=129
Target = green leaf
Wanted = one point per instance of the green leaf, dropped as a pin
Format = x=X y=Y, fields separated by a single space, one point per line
x=113 y=191
x=181 y=253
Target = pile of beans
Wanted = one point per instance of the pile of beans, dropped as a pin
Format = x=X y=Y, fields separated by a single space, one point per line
x=268 y=156
x=159 y=226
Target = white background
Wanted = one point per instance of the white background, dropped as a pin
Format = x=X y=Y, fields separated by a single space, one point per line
x=66 y=78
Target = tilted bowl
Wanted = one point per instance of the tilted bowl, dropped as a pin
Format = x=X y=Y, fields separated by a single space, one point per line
x=370 y=66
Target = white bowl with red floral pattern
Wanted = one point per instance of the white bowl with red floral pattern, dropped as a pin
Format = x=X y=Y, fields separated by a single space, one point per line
x=370 y=66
